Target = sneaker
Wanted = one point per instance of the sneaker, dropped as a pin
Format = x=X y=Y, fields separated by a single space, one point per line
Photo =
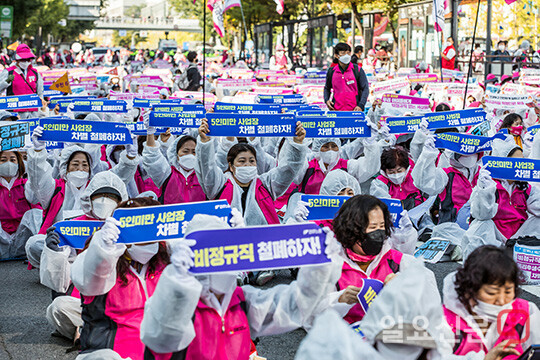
x=242 y=278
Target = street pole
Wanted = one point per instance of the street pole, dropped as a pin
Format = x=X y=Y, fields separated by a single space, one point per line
x=353 y=26
x=488 y=38
x=204 y=52
x=470 y=57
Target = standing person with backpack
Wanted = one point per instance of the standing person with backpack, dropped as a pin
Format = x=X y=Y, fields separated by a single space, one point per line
x=190 y=80
x=346 y=87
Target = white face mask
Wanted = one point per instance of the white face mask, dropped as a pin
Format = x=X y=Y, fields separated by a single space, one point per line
x=77 y=178
x=8 y=169
x=468 y=161
x=103 y=207
x=329 y=157
x=501 y=48
x=143 y=253
x=345 y=59
x=489 y=312
x=187 y=161
x=245 y=174
x=397 y=178
x=24 y=64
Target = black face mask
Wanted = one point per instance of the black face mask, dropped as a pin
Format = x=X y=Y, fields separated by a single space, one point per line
x=374 y=241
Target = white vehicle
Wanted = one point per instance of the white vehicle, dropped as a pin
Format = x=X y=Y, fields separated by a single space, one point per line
x=167 y=45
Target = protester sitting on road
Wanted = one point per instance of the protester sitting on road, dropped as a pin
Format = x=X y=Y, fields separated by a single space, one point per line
x=365 y=230
x=209 y=317
x=107 y=274
x=98 y=201
x=476 y=299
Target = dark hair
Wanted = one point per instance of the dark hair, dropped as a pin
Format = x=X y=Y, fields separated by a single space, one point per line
x=141 y=139
x=509 y=120
x=191 y=56
x=237 y=149
x=162 y=256
x=20 y=162
x=358 y=48
x=487 y=264
x=79 y=152
x=442 y=107
x=341 y=47
x=394 y=157
x=352 y=219
x=184 y=139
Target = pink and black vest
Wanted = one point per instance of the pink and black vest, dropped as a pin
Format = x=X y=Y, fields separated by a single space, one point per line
x=409 y=194
x=512 y=210
x=216 y=338
x=177 y=189
x=14 y=205
x=467 y=339
x=455 y=195
x=22 y=85
x=388 y=264
x=345 y=88
x=145 y=185
x=313 y=179
x=262 y=196
x=55 y=205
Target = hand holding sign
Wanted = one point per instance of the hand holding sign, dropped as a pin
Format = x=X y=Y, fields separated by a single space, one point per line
x=182 y=255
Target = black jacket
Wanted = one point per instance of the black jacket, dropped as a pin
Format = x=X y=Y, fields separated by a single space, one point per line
x=194 y=78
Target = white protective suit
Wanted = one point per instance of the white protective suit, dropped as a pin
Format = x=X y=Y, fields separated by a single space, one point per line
x=167 y=324
x=64 y=314
x=43 y=185
x=452 y=303
x=276 y=181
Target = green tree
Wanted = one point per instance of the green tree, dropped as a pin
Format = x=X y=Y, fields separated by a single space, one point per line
x=22 y=10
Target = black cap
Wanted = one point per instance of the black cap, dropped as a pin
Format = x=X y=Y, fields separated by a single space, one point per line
x=107 y=190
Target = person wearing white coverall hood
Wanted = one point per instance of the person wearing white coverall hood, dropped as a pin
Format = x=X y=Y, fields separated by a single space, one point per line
x=173 y=313
x=61 y=198
x=98 y=202
x=405 y=321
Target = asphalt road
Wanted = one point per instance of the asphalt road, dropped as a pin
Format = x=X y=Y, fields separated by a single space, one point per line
x=25 y=334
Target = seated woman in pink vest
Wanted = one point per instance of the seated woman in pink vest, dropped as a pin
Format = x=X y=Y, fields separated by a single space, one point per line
x=98 y=201
x=210 y=317
x=115 y=281
x=506 y=202
x=364 y=228
x=61 y=198
x=175 y=178
x=395 y=180
x=453 y=185
x=328 y=158
x=19 y=218
x=477 y=295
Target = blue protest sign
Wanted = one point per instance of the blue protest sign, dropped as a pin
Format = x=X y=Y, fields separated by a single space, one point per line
x=94 y=105
x=51 y=145
x=432 y=250
x=12 y=134
x=75 y=233
x=175 y=119
x=56 y=99
x=159 y=223
x=258 y=248
x=34 y=122
x=512 y=168
x=465 y=144
x=321 y=127
x=332 y=114
x=84 y=131
x=325 y=207
x=532 y=130
x=282 y=99
x=148 y=103
x=357 y=328
x=287 y=108
x=315 y=75
x=188 y=108
x=369 y=291
x=139 y=128
x=225 y=124
x=438 y=120
x=20 y=102
x=221 y=107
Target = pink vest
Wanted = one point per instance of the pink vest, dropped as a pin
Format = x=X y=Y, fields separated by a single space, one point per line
x=311 y=184
x=345 y=88
x=22 y=86
x=14 y=205
x=284 y=199
x=114 y=320
x=512 y=211
x=55 y=205
x=468 y=340
x=176 y=189
x=145 y=185
x=455 y=195
x=389 y=264
x=262 y=196
x=406 y=192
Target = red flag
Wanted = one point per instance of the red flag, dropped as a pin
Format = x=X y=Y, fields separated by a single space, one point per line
x=112 y=72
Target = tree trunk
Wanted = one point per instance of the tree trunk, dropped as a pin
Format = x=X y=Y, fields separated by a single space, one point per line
x=394 y=30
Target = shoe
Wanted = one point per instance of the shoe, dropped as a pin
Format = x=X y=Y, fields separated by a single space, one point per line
x=263 y=277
